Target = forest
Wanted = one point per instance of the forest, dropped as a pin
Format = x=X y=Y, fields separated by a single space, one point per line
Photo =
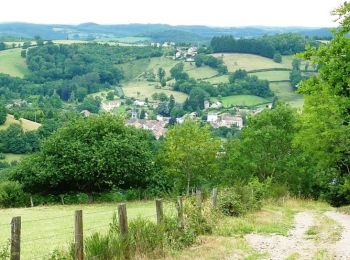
x=266 y=46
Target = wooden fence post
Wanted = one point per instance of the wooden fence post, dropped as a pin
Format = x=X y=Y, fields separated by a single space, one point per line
x=180 y=212
x=199 y=198
x=159 y=208
x=79 y=236
x=123 y=219
x=31 y=202
x=16 y=238
x=214 y=198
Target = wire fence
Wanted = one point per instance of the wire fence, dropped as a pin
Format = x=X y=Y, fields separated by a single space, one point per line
x=39 y=238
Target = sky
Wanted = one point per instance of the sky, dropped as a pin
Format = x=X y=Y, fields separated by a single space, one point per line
x=308 y=13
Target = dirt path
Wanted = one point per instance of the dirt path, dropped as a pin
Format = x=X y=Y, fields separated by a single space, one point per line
x=341 y=247
x=279 y=247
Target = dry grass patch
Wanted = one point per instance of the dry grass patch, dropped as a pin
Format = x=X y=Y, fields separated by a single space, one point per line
x=26 y=124
x=326 y=230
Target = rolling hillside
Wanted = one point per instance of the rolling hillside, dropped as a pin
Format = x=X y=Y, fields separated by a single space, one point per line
x=12 y=63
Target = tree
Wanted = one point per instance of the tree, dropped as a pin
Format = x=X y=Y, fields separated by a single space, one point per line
x=3 y=114
x=188 y=155
x=38 y=40
x=295 y=75
x=264 y=149
x=142 y=114
x=91 y=104
x=324 y=135
x=238 y=74
x=110 y=95
x=91 y=154
x=161 y=74
x=277 y=57
x=177 y=72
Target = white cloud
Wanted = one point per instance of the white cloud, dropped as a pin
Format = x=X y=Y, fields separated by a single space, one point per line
x=217 y=12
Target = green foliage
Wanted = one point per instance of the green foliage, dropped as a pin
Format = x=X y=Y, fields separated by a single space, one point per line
x=91 y=104
x=15 y=140
x=89 y=154
x=12 y=195
x=177 y=72
x=241 y=199
x=266 y=46
x=5 y=251
x=188 y=155
x=265 y=150
x=324 y=137
x=277 y=57
x=3 y=114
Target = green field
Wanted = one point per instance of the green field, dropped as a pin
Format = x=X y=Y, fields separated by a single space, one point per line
x=26 y=124
x=11 y=157
x=218 y=79
x=272 y=75
x=46 y=228
x=243 y=100
x=235 y=61
x=12 y=63
x=199 y=73
x=285 y=93
x=144 y=89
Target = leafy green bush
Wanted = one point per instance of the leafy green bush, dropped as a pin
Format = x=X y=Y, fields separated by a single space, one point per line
x=12 y=195
x=241 y=199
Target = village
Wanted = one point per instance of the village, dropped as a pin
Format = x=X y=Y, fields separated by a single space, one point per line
x=141 y=114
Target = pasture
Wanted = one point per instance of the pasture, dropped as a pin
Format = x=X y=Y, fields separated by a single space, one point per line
x=243 y=100
x=248 y=62
x=11 y=157
x=25 y=123
x=145 y=89
x=46 y=228
x=272 y=75
x=12 y=63
x=218 y=79
x=285 y=93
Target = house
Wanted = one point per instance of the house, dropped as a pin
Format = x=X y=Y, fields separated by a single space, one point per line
x=206 y=104
x=224 y=120
x=216 y=105
x=110 y=105
x=139 y=103
x=228 y=121
x=212 y=117
x=156 y=127
x=85 y=113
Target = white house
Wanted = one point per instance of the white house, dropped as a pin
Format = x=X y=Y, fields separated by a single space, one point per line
x=139 y=103
x=212 y=117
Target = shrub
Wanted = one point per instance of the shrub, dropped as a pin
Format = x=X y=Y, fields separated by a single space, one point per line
x=241 y=199
x=12 y=195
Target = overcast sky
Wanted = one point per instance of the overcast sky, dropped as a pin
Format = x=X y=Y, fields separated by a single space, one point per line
x=312 y=13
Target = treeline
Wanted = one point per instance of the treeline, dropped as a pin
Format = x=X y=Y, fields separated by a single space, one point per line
x=266 y=46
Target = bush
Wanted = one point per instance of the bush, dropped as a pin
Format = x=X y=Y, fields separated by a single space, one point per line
x=241 y=199
x=12 y=195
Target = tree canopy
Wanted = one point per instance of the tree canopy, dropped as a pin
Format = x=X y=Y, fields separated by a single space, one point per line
x=90 y=155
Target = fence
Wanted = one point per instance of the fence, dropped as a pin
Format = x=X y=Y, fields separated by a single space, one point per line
x=76 y=231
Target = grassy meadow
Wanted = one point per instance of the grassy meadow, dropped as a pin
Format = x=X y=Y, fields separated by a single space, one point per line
x=144 y=89
x=46 y=228
x=248 y=62
x=272 y=75
x=243 y=100
x=25 y=123
x=12 y=63
x=285 y=93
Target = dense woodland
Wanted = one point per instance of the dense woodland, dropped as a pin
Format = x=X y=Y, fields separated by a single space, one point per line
x=266 y=46
x=304 y=154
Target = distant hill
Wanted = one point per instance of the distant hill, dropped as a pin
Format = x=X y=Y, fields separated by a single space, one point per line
x=160 y=32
